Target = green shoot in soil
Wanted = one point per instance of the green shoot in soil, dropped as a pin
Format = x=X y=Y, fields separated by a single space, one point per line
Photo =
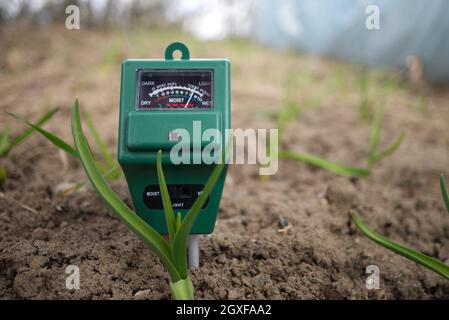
x=365 y=104
x=324 y=164
x=374 y=155
x=101 y=144
x=411 y=254
x=290 y=111
x=6 y=145
x=61 y=144
x=110 y=169
x=444 y=192
x=172 y=253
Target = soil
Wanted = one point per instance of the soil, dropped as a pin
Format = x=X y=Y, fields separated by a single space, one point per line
x=321 y=256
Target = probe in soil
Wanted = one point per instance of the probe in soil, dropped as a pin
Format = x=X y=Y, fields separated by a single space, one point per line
x=194 y=251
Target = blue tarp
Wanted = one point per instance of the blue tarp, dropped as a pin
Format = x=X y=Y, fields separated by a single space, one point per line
x=337 y=28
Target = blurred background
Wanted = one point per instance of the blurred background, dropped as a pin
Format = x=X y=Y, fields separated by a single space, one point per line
x=395 y=33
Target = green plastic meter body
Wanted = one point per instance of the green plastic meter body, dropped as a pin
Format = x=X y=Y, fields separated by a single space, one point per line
x=158 y=98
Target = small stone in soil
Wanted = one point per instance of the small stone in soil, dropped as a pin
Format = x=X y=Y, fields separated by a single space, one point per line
x=284 y=225
x=142 y=294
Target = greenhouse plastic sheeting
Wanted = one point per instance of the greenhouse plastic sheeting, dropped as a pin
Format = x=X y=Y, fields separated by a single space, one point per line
x=337 y=28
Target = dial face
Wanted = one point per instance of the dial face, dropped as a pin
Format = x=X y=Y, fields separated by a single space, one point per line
x=174 y=89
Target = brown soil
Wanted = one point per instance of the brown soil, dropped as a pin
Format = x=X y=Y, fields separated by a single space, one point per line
x=322 y=256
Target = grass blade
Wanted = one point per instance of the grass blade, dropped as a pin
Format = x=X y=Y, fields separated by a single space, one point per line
x=444 y=192
x=168 y=209
x=411 y=254
x=178 y=221
x=4 y=139
x=324 y=164
x=391 y=149
x=374 y=139
x=79 y=185
x=179 y=244
x=50 y=137
x=101 y=144
x=365 y=104
x=2 y=174
x=41 y=121
x=140 y=227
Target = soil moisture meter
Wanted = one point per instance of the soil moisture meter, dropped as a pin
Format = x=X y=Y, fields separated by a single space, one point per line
x=159 y=97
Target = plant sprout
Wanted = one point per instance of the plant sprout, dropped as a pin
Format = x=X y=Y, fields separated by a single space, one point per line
x=375 y=156
x=289 y=112
x=365 y=104
x=411 y=254
x=172 y=253
x=110 y=169
x=324 y=164
x=6 y=145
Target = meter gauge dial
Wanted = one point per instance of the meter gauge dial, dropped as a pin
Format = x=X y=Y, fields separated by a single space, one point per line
x=174 y=89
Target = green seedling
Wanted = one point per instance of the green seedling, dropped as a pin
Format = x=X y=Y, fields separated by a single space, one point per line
x=376 y=156
x=290 y=112
x=172 y=253
x=444 y=192
x=291 y=107
x=324 y=164
x=109 y=169
x=111 y=164
x=365 y=104
x=411 y=254
x=7 y=145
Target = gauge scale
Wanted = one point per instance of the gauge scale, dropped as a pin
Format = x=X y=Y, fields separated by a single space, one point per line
x=167 y=89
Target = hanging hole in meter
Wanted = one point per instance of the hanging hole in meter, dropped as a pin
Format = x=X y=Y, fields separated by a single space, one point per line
x=174 y=89
x=177 y=54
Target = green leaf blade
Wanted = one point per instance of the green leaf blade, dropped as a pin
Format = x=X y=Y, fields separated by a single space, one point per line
x=139 y=226
x=444 y=192
x=375 y=132
x=391 y=149
x=2 y=175
x=178 y=221
x=324 y=164
x=101 y=144
x=58 y=142
x=40 y=122
x=411 y=254
x=168 y=209
x=4 y=141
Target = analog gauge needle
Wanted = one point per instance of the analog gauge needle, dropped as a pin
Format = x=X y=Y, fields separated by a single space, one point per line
x=188 y=101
